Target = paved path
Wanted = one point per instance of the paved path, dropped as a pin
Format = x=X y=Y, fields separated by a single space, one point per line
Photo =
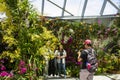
x=96 y=77
x=107 y=77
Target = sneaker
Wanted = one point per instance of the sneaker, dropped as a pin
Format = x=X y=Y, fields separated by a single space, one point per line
x=55 y=75
x=51 y=75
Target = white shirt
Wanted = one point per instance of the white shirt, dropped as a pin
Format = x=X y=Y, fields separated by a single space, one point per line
x=57 y=53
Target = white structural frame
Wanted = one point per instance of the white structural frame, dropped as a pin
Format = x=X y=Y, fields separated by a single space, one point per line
x=83 y=9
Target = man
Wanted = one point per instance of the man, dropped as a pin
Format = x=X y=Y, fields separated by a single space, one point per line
x=83 y=56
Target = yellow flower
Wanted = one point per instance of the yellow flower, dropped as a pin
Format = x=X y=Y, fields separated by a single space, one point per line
x=2 y=7
x=90 y=28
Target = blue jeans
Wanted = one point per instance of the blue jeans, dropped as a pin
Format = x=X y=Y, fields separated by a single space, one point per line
x=61 y=68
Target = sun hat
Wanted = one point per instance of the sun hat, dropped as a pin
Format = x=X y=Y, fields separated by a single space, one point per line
x=87 y=41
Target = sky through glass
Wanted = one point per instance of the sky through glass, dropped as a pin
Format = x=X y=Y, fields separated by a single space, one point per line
x=75 y=7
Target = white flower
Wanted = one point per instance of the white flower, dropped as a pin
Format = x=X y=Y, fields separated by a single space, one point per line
x=66 y=39
x=71 y=31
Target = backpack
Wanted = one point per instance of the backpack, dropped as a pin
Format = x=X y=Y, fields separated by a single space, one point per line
x=92 y=63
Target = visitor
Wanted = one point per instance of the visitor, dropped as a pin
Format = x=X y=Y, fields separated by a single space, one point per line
x=61 y=55
x=53 y=67
x=55 y=62
x=85 y=74
x=47 y=68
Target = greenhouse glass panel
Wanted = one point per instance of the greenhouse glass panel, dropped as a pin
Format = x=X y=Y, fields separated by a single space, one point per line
x=109 y=9
x=93 y=7
x=116 y=2
x=51 y=10
x=37 y=5
x=54 y=8
x=73 y=7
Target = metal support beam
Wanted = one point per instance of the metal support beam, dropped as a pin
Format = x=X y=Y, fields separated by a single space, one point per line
x=103 y=7
x=42 y=9
x=64 y=7
x=84 y=8
x=114 y=5
x=60 y=7
x=119 y=7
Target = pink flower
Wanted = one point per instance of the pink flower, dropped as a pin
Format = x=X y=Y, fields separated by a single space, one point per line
x=108 y=29
x=29 y=65
x=10 y=75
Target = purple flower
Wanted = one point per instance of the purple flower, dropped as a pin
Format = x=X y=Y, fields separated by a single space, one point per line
x=3 y=68
x=99 y=21
x=22 y=63
x=4 y=73
x=62 y=41
x=70 y=40
x=78 y=63
x=2 y=61
x=23 y=70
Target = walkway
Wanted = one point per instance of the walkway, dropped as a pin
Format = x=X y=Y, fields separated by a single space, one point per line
x=96 y=77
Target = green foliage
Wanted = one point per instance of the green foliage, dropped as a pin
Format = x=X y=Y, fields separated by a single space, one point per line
x=117 y=20
x=25 y=37
x=73 y=70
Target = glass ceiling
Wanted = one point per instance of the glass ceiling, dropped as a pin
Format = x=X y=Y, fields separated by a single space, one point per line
x=55 y=8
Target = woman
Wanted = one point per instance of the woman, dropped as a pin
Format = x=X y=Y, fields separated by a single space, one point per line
x=61 y=55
